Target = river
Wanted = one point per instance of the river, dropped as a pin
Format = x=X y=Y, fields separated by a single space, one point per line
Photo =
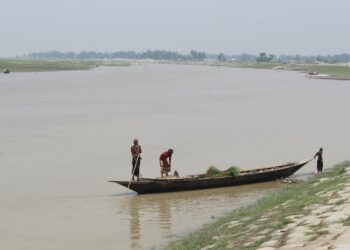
x=63 y=135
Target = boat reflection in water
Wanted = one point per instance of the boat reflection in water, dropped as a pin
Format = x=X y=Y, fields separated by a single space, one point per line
x=134 y=224
x=155 y=219
x=163 y=221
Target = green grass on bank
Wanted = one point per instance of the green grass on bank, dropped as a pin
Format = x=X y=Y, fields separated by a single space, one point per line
x=258 y=221
x=31 y=65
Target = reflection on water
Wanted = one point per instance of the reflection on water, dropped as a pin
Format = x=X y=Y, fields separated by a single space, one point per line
x=156 y=218
x=164 y=217
x=134 y=224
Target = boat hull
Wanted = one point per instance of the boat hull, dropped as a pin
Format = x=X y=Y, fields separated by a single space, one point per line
x=184 y=184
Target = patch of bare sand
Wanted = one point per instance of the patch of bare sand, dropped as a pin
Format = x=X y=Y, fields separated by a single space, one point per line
x=325 y=226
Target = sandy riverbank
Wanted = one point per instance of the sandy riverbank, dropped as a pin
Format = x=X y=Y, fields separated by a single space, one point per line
x=311 y=215
x=321 y=226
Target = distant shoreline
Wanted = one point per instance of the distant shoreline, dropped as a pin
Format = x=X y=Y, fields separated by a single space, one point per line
x=40 y=65
x=318 y=71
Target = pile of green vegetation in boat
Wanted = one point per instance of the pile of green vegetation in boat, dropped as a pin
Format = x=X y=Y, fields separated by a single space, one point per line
x=213 y=171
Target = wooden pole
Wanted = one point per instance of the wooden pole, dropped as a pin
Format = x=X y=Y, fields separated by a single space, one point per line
x=133 y=171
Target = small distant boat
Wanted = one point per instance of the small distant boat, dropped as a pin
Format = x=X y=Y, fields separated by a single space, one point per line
x=6 y=71
x=193 y=182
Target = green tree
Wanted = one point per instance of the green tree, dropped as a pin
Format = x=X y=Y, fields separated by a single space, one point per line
x=197 y=55
x=263 y=57
x=221 y=57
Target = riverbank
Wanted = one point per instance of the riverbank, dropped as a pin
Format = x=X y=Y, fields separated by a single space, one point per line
x=314 y=214
x=33 y=65
x=320 y=71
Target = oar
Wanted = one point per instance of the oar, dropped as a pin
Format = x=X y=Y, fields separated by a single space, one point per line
x=133 y=171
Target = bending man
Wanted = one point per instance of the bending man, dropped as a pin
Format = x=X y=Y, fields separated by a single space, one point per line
x=165 y=165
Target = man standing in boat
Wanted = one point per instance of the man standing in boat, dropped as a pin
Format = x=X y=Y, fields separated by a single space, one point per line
x=136 y=159
x=319 y=160
x=165 y=165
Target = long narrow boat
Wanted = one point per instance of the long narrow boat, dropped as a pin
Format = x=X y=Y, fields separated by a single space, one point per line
x=192 y=182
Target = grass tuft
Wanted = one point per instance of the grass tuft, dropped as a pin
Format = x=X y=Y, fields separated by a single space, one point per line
x=213 y=171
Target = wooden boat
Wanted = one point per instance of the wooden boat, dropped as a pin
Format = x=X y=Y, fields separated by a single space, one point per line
x=192 y=182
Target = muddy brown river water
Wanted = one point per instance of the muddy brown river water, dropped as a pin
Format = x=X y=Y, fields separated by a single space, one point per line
x=63 y=135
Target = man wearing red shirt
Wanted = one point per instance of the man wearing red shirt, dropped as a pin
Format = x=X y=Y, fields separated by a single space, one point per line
x=165 y=165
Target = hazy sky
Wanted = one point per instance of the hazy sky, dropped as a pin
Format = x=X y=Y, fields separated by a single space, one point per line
x=230 y=26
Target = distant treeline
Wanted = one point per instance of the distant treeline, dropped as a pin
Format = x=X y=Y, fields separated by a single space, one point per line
x=149 y=54
x=193 y=55
x=341 y=58
x=263 y=57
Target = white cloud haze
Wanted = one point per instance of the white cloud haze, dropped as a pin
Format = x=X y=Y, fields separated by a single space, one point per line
x=278 y=27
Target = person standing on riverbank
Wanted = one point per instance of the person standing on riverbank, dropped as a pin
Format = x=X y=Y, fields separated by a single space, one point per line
x=136 y=159
x=165 y=165
x=319 y=155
